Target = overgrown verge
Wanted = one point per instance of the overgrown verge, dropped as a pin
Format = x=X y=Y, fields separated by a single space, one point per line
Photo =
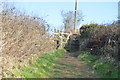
x=40 y=68
x=23 y=37
x=102 y=46
x=102 y=68
x=101 y=40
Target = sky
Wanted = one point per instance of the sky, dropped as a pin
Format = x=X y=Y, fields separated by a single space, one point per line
x=94 y=12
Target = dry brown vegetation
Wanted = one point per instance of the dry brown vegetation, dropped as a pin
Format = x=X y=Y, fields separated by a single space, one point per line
x=23 y=38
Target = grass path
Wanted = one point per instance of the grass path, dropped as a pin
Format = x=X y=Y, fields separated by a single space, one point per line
x=71 y=67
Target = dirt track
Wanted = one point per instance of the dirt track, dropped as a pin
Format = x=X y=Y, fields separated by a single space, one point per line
x=71 y=67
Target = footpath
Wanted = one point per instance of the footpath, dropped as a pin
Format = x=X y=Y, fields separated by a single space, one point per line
x=71 y=67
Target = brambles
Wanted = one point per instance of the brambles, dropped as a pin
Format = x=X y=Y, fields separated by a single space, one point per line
x=102 y=43
x=23 y=37
x=100 y=40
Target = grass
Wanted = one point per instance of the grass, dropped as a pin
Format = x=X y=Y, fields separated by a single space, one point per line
x=104 y=70
x=42 y=67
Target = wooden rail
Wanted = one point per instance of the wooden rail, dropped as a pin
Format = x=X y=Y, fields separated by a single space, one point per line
x=61 y=37
x=58 y=33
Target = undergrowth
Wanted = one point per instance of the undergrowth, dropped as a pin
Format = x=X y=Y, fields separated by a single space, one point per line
x=103 y=69
x=42 y=67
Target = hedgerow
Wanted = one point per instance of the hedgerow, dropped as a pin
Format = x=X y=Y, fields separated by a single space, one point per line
x=23 y=37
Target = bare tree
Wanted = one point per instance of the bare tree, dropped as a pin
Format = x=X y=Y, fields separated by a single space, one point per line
x=68 y=19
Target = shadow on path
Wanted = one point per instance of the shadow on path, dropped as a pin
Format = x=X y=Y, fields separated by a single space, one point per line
x=71 y=67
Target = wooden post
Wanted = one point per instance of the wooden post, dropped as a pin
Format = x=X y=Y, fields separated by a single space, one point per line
x=75 y=19
x=60 y=40
x=119 y=13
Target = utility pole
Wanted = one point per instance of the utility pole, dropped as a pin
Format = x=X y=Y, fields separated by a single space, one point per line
x=76 y=8
x=119 y=13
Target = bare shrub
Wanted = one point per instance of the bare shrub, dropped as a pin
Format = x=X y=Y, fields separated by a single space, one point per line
x=23 y=37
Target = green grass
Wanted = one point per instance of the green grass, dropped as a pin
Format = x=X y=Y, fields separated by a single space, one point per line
x=42 y=67
x=104 y=70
